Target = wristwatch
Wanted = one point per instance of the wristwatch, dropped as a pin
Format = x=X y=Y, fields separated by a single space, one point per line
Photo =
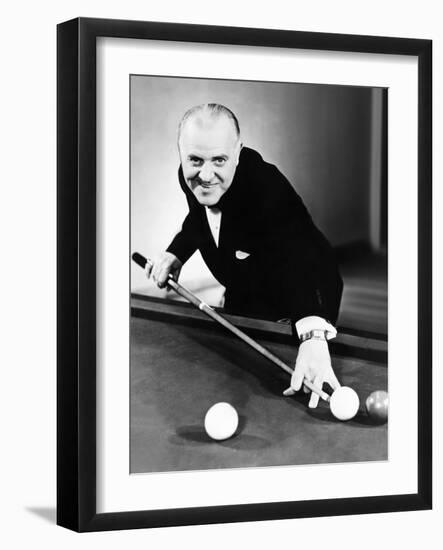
x=313 y=335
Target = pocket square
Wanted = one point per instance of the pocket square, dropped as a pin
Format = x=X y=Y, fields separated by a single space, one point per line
x=240 y=255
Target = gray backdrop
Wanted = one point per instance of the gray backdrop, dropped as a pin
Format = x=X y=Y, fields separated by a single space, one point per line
x=321 y=137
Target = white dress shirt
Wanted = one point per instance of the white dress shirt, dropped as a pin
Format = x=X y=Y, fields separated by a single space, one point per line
x=214 y=221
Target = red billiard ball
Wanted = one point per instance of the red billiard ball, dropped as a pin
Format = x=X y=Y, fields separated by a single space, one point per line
x=377 y=405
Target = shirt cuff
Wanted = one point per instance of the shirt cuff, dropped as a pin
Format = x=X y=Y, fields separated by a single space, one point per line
x=315 y=323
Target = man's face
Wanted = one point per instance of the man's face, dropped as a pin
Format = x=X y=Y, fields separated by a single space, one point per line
x=209 y=153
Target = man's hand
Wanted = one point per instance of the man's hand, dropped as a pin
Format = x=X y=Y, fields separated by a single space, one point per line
x=164 y=265
x=313 y=363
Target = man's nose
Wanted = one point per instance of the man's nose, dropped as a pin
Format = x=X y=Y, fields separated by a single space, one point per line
x=206 y=172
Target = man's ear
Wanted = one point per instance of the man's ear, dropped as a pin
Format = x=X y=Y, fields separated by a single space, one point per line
x=239 y=148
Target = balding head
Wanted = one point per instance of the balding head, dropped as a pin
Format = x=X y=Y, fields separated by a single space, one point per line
x=205 y=116
x=209 y=146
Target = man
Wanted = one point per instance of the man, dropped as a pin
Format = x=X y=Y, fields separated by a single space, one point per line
x=256 y=237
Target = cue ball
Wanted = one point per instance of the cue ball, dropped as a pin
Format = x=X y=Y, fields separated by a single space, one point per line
x=344 y=403
x=377 y=405
x=221 y=421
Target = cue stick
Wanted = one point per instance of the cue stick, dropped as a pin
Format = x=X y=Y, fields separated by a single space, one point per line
x=202 y=306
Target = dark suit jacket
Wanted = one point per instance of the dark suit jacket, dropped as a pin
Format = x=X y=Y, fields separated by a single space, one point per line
x=291 y=270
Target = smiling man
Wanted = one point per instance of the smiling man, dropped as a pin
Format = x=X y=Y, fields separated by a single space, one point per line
x=256 y=237
x=209 y=146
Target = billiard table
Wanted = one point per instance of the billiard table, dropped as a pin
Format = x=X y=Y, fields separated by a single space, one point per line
x=182 y=363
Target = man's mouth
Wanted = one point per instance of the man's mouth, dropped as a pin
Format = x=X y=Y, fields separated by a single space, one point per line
x=207 y=185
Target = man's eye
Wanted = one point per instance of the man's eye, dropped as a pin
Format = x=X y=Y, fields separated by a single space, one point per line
x=219 y=162
x=195 y=161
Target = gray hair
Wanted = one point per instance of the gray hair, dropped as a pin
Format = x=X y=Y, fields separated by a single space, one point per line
x=209 y=110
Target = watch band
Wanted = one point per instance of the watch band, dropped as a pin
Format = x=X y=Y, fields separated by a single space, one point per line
x=313 y=335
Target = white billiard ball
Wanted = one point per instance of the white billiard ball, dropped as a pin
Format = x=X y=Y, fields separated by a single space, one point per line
x=221 y=421
x=344 y=403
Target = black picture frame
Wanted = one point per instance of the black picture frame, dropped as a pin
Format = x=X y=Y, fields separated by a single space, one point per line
x=76 y=279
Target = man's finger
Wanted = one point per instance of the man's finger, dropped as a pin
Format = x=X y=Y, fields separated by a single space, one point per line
x=297 y=378
x=313 y=402
x=162 y=277
x=288 y=392
x=155 y=272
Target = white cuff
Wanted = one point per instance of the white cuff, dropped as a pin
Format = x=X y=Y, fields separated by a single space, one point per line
x=315 y=323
